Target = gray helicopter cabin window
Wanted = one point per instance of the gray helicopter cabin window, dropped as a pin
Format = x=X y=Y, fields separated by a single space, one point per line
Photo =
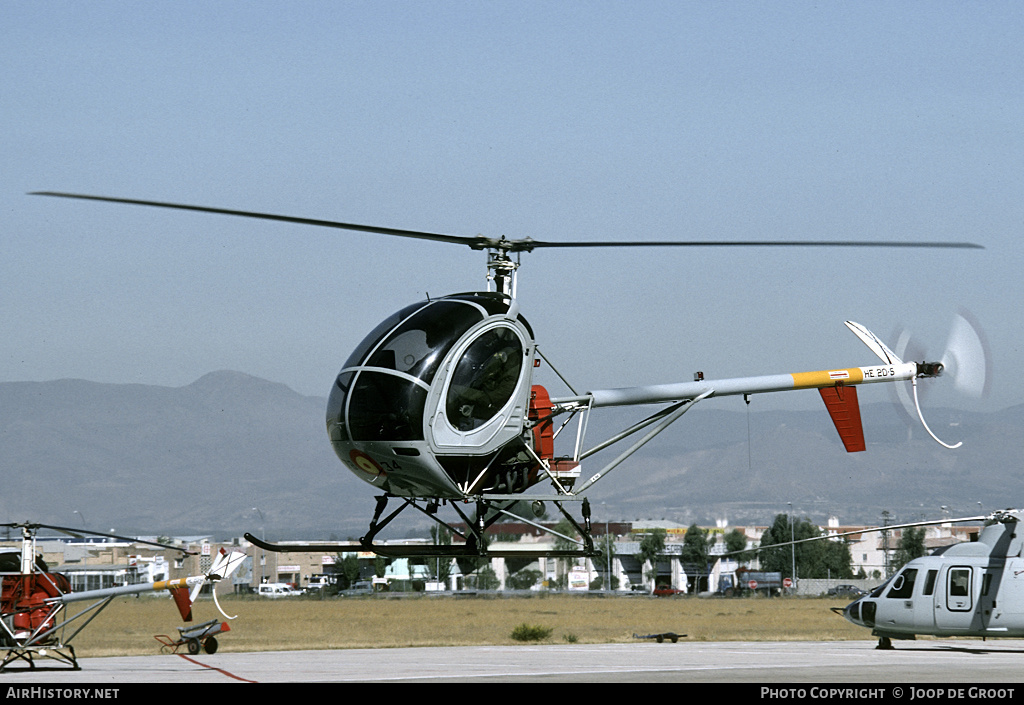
x=960 y=591
x=484 y=378
x=929 y=582
x=960 y=582
x=903 y=585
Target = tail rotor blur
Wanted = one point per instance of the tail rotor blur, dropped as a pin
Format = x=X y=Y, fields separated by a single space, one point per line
x=966 y=361
x=967 y=358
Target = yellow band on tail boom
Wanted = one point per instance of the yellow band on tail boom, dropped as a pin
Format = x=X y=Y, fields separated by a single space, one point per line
x=827 y=378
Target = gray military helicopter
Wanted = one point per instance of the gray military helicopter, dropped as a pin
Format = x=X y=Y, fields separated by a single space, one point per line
x=437 y=405
x=967 y=589
x=973 y=589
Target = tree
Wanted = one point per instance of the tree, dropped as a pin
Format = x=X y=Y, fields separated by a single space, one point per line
x=736 y=544
x=602 y=562
x=346 y=568
x=911 y=546
x=694 y=555
x=652 y=545
x=523 y=579
x=696 y=546
x=814 y=559
x=776 y=559
x=487 y=579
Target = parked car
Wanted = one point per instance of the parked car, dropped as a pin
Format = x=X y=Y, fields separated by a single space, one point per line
x=664 y=591
x=845 y=591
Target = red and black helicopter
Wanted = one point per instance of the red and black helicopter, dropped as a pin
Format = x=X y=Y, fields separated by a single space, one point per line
x=35 y=619
x=438 y=406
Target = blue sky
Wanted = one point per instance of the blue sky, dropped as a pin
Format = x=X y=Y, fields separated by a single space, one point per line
x=554 y=120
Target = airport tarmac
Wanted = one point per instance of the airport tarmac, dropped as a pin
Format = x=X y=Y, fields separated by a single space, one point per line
x=941 y=661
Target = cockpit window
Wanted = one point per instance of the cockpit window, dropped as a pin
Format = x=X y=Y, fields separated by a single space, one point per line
x=484 y=378
x=379 y=332
x=903 y=585
x=418 y=345
x=386 y=407
x=877 y=592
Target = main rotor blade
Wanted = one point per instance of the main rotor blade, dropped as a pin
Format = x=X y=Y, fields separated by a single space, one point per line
x=481 y=242
x=870 y=530
x=79 y=533
x=476 y=243
x=532 y=244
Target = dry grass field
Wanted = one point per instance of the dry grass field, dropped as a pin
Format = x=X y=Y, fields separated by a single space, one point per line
x=128 y=625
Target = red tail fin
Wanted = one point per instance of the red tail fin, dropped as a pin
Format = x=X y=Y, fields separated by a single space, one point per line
x=841 y=403
x=180 y=596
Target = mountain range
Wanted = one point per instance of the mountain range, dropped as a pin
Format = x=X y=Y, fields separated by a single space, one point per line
x=231 y=453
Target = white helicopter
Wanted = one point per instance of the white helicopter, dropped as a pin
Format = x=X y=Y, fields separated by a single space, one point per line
x=437 y=405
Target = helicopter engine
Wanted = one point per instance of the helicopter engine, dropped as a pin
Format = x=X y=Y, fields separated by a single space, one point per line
x=23 y=602
x=436 y=401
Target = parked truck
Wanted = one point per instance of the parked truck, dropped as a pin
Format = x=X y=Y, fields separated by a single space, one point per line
x=276 y=590
x=748 y=582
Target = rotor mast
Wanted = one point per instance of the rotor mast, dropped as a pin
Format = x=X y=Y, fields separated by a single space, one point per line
x=28 y=549
x=501 y=269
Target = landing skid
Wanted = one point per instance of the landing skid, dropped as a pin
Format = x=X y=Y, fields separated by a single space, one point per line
x=32 y=654
x=474 y=545
x=417 y=551
x=43 y=644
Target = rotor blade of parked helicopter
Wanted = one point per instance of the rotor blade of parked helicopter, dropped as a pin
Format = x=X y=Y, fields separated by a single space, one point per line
x=890 y=527
x=481 y=242
x=80 y=532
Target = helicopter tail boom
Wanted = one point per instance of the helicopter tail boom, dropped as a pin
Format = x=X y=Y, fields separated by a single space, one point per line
x=665 y=393
x=837 y=388
x=183 y=590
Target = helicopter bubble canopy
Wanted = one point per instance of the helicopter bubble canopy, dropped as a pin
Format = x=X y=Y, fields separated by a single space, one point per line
x=434 y=401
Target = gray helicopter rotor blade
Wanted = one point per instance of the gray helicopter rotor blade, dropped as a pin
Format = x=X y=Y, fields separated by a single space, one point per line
x=81 y=533
x=532 y=244
x=474 y=242
x=480 y=242
x=874 y=529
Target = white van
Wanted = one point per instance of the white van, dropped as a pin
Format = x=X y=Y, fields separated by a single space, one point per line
x=276 y=590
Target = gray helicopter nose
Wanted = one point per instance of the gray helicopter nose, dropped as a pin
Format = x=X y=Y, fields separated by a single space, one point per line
x=852 y=612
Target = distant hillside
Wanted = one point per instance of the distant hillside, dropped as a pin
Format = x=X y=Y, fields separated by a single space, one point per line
x=159 y=459
x=199 y=458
